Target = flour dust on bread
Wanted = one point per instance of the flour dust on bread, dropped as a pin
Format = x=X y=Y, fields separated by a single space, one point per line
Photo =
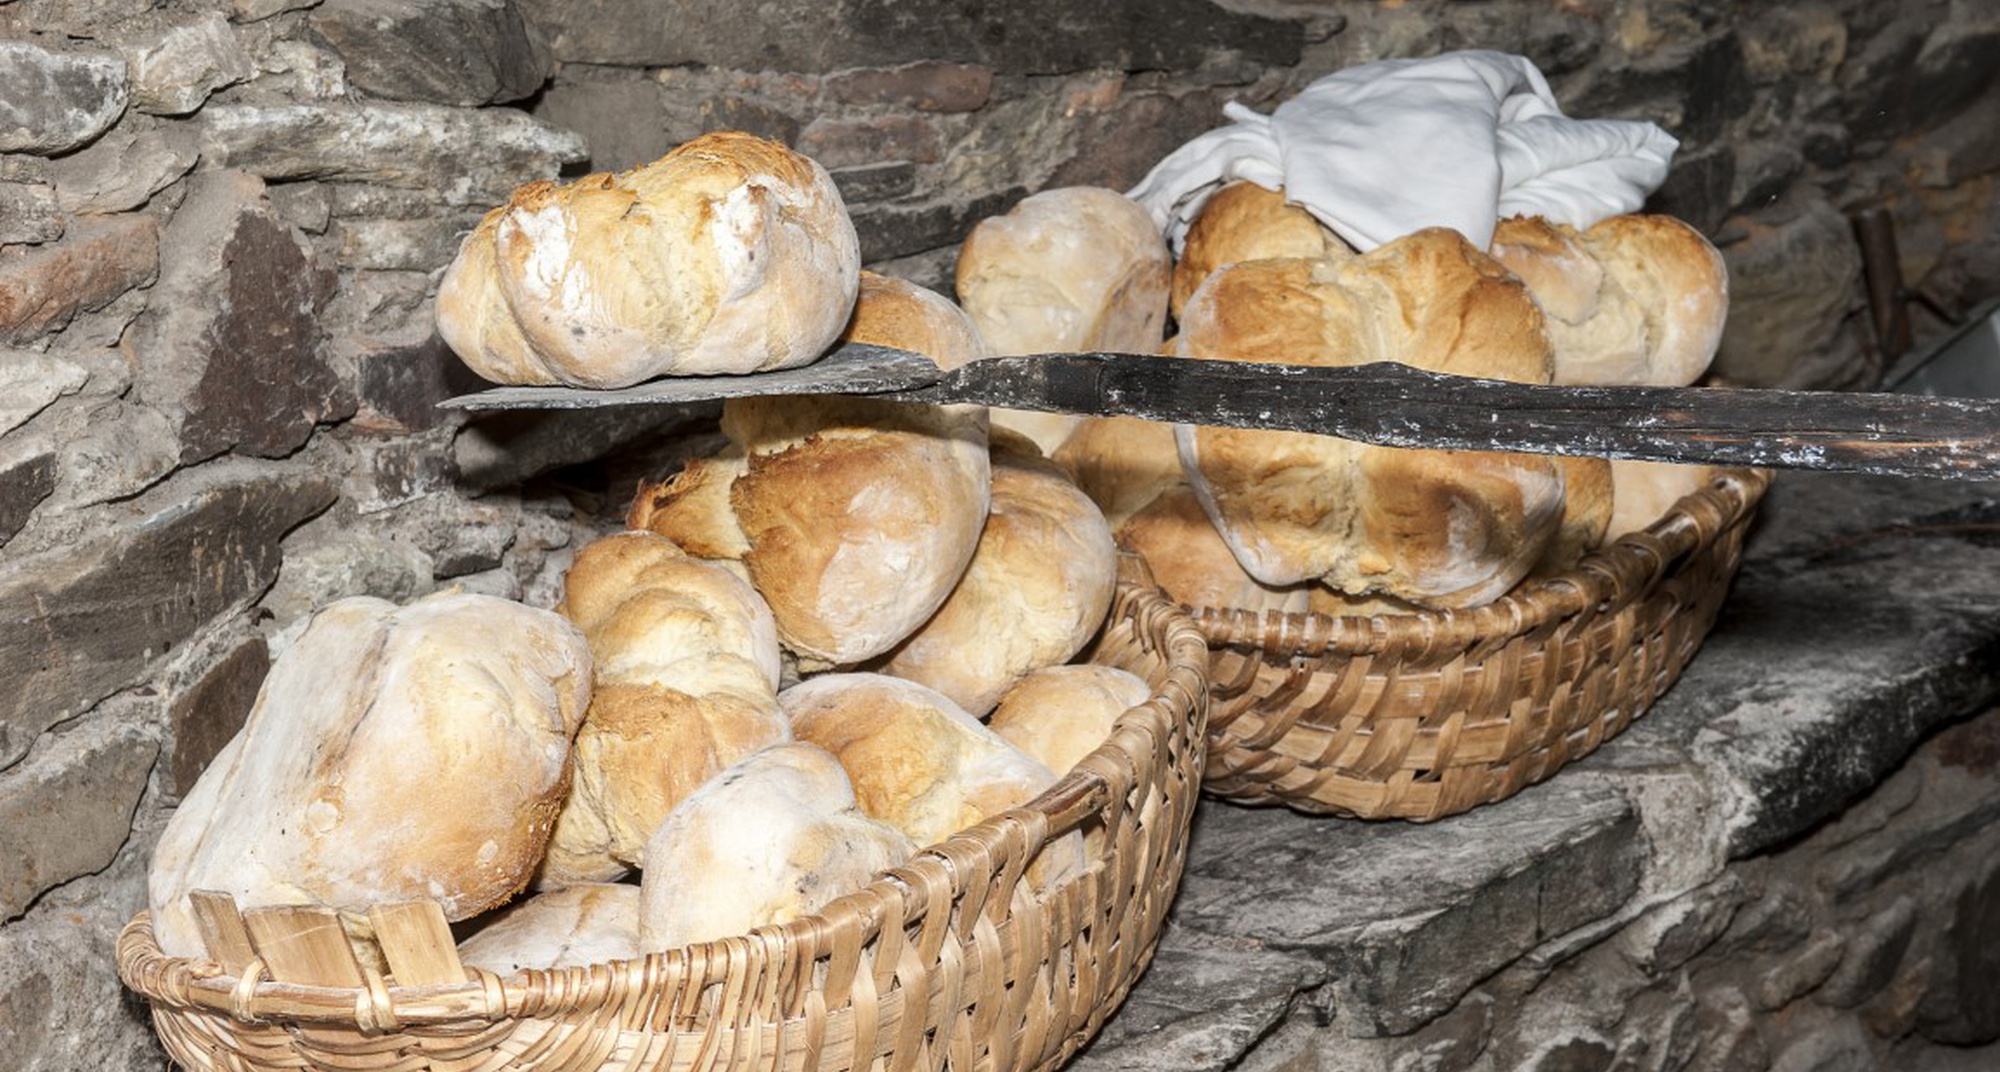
x=772 y=838
x=1246 y=222
x=729 y=254
x=686 y=658
x=466 y=700
x=574 y=927
x=1071 y=269
x=1439 y=528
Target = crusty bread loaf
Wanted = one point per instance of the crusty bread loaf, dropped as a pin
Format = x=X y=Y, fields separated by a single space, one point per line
x=393 y=753
x=1060 y=714
x=686 y=684
x=1632 y=300
x=1121 y=463
x=1076 y=268
x=1192 y=565
x=1586 y=512
x=855 y=517
x=1246 y=222
x=772 y=838
x=1037 y=589
x=1441 y=528
x=729 y=254
x=1642 y=492
x=589 y=923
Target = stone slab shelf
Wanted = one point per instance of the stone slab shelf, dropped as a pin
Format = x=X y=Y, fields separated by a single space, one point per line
x=1866 y=617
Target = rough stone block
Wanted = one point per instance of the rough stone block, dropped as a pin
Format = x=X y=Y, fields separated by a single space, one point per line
x=176 y=64
x=29 y=213
x=25 y=481
x=81 y=622
x=1793 y=283
x=926 y=86
x=123 y=169
x=484 y=152
x=95 y=262
x=52 y=102
x=608 y=111
x=874 y=182
x=111 y=450
x=416 y=245
x=61 y=1005
x=1204 y=1008
x=1875 y=949
x=1917 y=73
x=891 y=231
x=730 y=111
x=207 y=711
x=1800 y=973
x=30 y=381
x=854 y=142
x=364 y=564
x=1671 y=935
x=457 y=52
x=399 y=385
x=1117 y=145
x=232 y=341
x=67 y=809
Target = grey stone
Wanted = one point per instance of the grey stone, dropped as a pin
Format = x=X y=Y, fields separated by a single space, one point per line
x=1764 y=171
x=1583 y=1052
x=259 y=10
x=52 y=102
x=365 y=565
x=1410 y=918
x=1917 y=73
x=113 y=449
x=854 y=142
x=1800 y=972
x=1825 y=1044
x=296 y=72
x=1038 y=37
x=926 y=86
x=232 y=344
x=65 y=810
x=1779 y=920
x=505 y=449
x=29 y=213
x=1973 y=952
x=1792 y=285
x=124 y=169
x=1674 y=933
x=399 y=385
x=26 y=480
x=30 y=381
x=890 y=231
x=1200 y=1009
x=307 y=206
x=620 y=115
x=1699 y=188
x=1729 y=1037
x=458 y=52
x=175 y=65
x=483 y=154
x=421 y=245
x=85 y=620
x=1875 y=950
x=207 y=709
x=96 y=261
x=875 y=182
x=395 y=471
x=1957 y=152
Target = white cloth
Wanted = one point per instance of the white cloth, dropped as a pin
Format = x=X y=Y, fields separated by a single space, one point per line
x=1382 y=149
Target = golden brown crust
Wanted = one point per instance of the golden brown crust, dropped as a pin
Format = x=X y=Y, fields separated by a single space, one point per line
x=1246 y=222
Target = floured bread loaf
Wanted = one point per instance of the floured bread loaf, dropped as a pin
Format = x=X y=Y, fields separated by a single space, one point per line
x=1632 y=300
x=772 y=838
x=1245 y=222
x=918 y=762
x=589 y=923
x=1122 y=463
x=1192 y=565
x=1060 y=714
x=1643 y=492
x=372 y=713
x=687 y=684
x=1439 y=528
x=729 y=254
x=1586 y=512
x=1037 y=588
x=1077 y=268
x=855 y=517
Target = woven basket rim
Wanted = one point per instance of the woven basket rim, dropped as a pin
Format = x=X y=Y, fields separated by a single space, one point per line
x=934 y=877
x=1603 y=581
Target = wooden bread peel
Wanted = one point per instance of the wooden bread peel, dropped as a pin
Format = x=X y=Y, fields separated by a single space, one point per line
x=1389 y=405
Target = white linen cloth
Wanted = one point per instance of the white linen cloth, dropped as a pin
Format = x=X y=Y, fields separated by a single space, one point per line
x=1379 y=150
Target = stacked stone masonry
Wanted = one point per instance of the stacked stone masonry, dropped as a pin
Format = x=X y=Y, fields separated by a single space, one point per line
x=221 y=228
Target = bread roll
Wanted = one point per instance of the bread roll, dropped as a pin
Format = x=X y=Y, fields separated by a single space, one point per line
x=855 y=517
x=687 y=684
x=1586 y=512
x=590 y=923
x=1632 y=300
x=1439 y=528
x=1643 y=492
x=393 y=753
x=1037 y=589
x=1077 y=268
x=1192 y=565
x=729 y=254
x=770 y=839
x=1246 y=222
x=1060 y=714
x=1121 y=463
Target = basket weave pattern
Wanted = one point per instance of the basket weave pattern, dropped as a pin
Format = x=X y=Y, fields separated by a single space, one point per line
x=1425 y=715
x=952 y=959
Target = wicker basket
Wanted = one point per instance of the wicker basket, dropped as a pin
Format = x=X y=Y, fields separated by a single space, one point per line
x=1426 y=715
x=950 y=959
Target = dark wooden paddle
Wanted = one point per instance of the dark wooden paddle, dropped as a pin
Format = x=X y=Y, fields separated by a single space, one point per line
x=1388 y=405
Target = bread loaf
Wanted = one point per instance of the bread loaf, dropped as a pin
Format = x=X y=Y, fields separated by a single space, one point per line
x=1632 y=300
x=1586 y=512
x=1060 y=714
x=686 y=684
x=393 y=753
x=1121 y=463
x=729 y=254
x=772 y=838
x=585 y=924
x=1643 y=492
x=855 y=517
x=1440 y=528
x=1076 y=268
x=1037 y=588
x=1192 y=565
x=1246 y=222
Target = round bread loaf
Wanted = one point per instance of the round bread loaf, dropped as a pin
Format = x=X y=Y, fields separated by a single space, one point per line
x=589 y=923
x=466 y=700
x=686 y=684
x=1586 y=512
x=1246 y=222
x=1632 y=300
x=1437 y=528
x=1192 y=565
x=729 y=254
x=1076 y=268
x=1037 y=589
x=1060 y=714
x=1643 y=492
x=1121 y=463
x=772 y=838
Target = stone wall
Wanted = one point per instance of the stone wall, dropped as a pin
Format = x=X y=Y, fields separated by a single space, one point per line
x=221 y=224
